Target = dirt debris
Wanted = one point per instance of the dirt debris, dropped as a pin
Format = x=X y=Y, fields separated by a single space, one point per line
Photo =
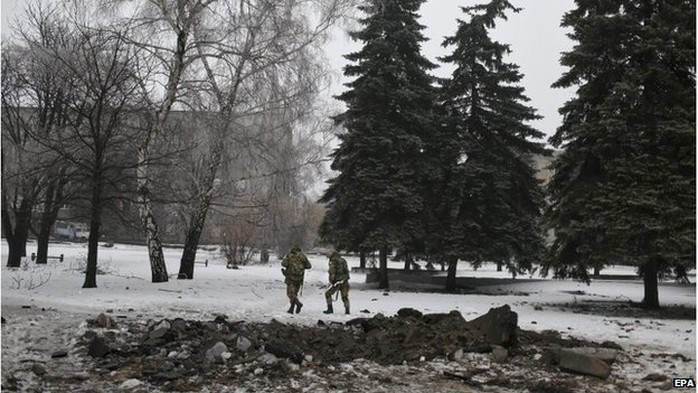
x=410 y=352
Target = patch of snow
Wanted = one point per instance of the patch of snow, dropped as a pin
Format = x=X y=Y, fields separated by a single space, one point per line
x=257 y=293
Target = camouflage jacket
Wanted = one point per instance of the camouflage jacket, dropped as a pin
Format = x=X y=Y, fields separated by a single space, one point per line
x=295 y=264
x=339 y=271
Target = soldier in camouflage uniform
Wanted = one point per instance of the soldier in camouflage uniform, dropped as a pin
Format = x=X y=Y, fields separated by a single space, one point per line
x=339 y=281
x=294 y=265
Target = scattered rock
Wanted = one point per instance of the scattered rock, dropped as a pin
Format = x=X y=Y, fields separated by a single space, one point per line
x=243 y=344
x=98 y=348
x=655 y=377
x=284 y=351
x=215 y=353
x=164 y=324
x=499 y=354
x=59 y=354
x=130 y=384
x=104 y=321
x=160 y=334
x=38 y=369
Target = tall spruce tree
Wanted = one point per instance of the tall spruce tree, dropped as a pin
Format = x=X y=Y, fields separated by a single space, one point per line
x=623 y=190
x=376 y=200
x=489 y=204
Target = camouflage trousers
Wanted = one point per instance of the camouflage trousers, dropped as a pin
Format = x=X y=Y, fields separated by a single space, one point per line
x=292 y=288
x=343 y=289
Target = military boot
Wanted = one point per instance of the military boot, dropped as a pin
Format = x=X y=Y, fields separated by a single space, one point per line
x=290 y=309
x=298 y=306
x=346 y=307
x=329 y=309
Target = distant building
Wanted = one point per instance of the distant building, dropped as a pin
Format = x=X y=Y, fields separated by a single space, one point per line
x=64 y=230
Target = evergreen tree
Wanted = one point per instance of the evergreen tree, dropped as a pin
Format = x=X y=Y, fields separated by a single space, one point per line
x=623 y=190
x=376 y=200
x=489 y=204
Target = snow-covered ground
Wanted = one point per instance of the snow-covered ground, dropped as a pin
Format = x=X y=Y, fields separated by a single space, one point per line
x=257 y=293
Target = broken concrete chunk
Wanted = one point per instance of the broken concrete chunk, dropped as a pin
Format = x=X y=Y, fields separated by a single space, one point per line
x=606 y=354
x=498 y=326
x=583 y=364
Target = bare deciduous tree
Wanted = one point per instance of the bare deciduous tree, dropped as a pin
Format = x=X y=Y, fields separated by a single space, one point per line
x=39 y=108
x=97 y=139
x=258 y=61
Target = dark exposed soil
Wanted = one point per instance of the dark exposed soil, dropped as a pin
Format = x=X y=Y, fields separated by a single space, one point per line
x=408 y=352
x=627 y=309
x=388 y=342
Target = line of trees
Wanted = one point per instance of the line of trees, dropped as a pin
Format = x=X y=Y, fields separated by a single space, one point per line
x=90 y=92
x=439 y=169
x=442 y=168
x=434 y=168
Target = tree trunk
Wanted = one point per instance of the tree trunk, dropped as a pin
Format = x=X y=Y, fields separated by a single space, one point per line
x=362 y=259
x=649 y=275
x=499 y=266
x=196 y=224
x=264 y=255
x=52 y=203
x=12 y=259
x=92 y=246
x=451 y=276
x=42 y=240
x=383 y=282
x=152 y=236
x=17 y=236
x=93 y=241
x=186 y=264
x=158 y=268
x=408 y=261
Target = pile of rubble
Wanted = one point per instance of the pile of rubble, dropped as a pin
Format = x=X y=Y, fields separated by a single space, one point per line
x=408 y=352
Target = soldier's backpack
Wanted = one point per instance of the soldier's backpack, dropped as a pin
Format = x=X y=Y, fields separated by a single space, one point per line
x=296 y=267
x=343 y=271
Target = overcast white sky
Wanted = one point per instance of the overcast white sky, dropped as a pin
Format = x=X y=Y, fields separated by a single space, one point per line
x=534 y=34
x=535 y=37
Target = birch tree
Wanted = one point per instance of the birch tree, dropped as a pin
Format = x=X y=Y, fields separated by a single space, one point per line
x=258 y=59
x=162 y=32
